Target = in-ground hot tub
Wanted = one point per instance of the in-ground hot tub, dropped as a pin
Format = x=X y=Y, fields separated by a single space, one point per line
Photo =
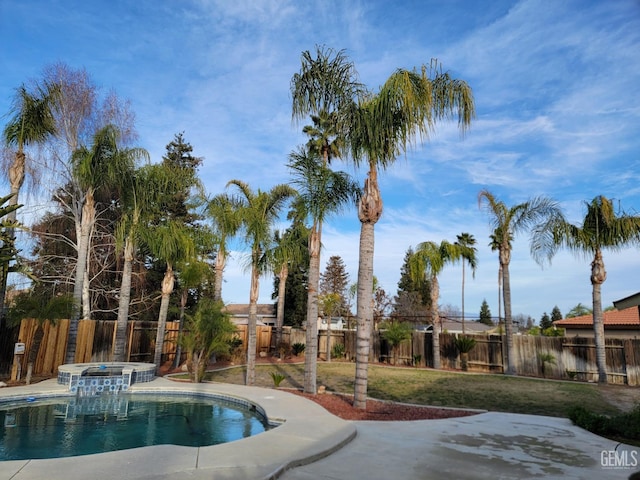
x=105 y=377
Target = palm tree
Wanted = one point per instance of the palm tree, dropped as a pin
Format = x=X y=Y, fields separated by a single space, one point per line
x=191 y=275
x=139 y=202
x=171 y=242
x=32 y=123
x=322 y=192
x=376 y=128
x=330 y=305
x=96 y=170
x=209 y=331
x=507 y=222
x=602 y=228
x=289 y=248
x=222 y=210
x=324 y=138
x=426 y=263
x=467 y=240
x=259 y=211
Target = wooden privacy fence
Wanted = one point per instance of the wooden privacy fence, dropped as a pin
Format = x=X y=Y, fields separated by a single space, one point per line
x=96 y=338
x=572 y=358
x=567 y=357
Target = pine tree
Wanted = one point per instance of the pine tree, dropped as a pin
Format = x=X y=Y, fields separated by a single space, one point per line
x=485 y=313
x=412 y=300
x=545 y=322
x=335 y=280
x=556 y=314
x=179 y=156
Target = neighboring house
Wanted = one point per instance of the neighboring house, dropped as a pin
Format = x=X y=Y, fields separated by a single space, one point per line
x=337 y=323
x=630 y=301
x=624 y=323
x=240 y=313
x=471 y=327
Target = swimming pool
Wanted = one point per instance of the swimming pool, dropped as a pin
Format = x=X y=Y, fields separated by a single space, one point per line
x=64 y=426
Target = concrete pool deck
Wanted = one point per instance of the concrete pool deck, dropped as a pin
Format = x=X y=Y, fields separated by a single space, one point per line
x=313 y=444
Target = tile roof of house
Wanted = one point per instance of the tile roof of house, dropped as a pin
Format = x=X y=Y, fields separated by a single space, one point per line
x=629 y=317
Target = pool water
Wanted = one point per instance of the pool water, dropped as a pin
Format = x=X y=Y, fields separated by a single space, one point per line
x=69 y=426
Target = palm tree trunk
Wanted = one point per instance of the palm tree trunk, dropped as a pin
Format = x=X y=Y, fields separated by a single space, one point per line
x=598 y=276
x=183 y=307
x=463 y=330
x=508 y=323
x=329 y=339
x=120 y=343
x=500 y=295
x=168 y=283
x=282 y=288
x=311 y=348
x=364 y=315
x=250 y=378
x=435 y=316
x=369 y=212
x=217 y=285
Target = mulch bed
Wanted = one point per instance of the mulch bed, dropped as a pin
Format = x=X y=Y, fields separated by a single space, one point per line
x=342 y=406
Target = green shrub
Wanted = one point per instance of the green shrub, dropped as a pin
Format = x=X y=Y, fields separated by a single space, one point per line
x=298 y=348
x=625 y=426
x=338 y=350
x=417 y=358
x=277 y=378
x=465 y=344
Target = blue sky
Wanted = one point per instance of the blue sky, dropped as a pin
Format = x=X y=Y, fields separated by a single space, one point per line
x=555 y=85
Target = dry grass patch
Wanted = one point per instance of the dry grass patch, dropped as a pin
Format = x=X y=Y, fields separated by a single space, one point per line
x=443 y=388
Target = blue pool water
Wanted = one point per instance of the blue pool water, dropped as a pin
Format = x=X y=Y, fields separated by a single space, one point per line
x=68 y=426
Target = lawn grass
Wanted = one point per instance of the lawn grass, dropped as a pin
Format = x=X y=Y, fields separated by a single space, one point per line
x=441 y=388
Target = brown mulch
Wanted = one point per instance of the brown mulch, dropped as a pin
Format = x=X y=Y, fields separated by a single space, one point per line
x=342 y=406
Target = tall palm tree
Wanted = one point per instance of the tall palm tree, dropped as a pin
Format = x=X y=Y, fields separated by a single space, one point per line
x=99 y=169
x=602 y=228
x=31 y=124
x=171 y=243
x=259 y=211
x=139 y=202
x=467 y=240
x=322 y=192
x=223 y=211
x=507 y=222
x=426 y=263
x=377 y=128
